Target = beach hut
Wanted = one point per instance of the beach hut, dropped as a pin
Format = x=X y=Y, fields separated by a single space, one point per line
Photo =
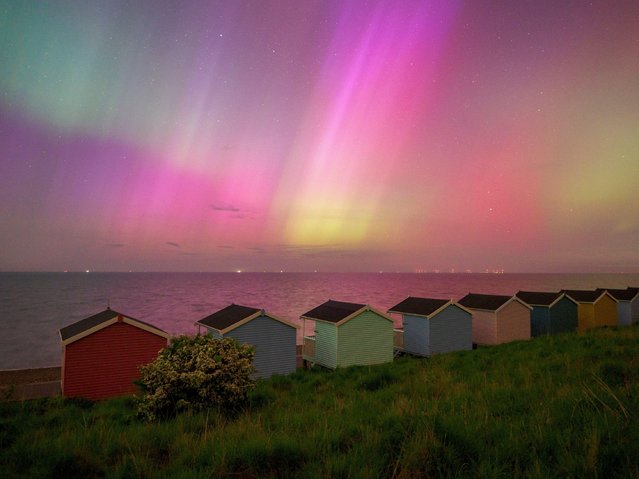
x=594 y=308
x=634 y=308
x=497 y=319
x=101 y=354
x=626 y=300
x=274 y=338
x=551 y=313
x=347 y=334
x=432 y=326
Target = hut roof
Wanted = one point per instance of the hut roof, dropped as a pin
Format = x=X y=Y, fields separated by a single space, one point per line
x=228 y=316
x=634 y=290
x=426 y=307
x=233 y=316
x=86 y=326
x=488 y=302
x=539 y=298
x=584 y=296
x=334 y=311
x=419 y=306
x=620 y=294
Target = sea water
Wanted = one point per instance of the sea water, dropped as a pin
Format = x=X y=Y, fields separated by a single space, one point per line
x=34 y=306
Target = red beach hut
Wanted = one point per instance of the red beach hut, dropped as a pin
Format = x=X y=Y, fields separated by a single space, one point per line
x=101 y=354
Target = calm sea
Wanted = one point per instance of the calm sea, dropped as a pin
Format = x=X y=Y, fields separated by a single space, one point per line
x=33 y=306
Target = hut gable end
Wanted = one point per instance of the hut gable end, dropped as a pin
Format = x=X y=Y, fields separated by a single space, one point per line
x=513 y=322
x=274 y=343
x=105 y=363
x=484 y=327
x=365 y=339
x=563 y=316
x=92 y=324
x=451 y=330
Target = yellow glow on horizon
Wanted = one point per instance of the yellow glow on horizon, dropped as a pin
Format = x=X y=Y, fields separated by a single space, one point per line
x=328 y=225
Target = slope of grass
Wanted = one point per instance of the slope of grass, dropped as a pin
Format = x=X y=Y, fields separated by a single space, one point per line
x=563 y=406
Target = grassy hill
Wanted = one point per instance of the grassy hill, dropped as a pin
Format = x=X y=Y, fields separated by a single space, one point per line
x=563 y=406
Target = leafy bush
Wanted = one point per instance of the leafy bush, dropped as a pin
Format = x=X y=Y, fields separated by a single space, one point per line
x=196 y=373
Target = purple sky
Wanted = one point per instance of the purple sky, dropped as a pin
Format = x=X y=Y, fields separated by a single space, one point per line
x=319 y=135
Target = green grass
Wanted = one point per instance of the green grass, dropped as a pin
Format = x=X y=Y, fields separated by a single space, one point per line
x=563 y=406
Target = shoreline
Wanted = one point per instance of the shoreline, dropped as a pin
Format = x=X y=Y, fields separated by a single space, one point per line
x=14 y=377
x=32 y=383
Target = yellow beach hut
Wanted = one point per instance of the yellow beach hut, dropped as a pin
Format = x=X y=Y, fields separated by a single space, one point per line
x=594 y=308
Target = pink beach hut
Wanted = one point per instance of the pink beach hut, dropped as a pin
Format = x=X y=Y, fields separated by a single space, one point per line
x=497 y=319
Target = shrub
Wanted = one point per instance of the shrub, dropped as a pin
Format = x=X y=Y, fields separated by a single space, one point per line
x=196 y=373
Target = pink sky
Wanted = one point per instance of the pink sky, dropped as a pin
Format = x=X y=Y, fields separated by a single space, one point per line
x=320 y=135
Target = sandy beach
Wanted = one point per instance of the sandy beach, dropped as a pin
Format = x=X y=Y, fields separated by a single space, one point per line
x=21 y=384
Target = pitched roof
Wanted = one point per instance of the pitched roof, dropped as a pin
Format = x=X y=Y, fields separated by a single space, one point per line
x=538 y=298
x=103 y=318
x=419 y=306
x=333 y=311
x=233 y=316
x=490 y=302
x=584 y=296
x=227 y=317
x=621 y=294
x=634 y=290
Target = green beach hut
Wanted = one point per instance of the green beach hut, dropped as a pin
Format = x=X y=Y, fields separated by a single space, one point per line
x=347 y=334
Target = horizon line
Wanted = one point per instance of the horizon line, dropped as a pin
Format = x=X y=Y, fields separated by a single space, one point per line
x=495 y=272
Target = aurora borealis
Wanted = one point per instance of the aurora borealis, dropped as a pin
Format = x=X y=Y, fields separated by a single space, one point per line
x=319 y=135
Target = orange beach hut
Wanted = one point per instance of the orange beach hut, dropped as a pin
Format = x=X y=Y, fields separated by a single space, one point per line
x=627 y=302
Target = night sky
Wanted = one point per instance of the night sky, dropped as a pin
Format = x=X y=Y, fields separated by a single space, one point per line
x=319 y=135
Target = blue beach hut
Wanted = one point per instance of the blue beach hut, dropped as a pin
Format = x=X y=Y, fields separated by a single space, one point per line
x=433 y=326
x=551 y=313
x=274 y=338
x=634 y=308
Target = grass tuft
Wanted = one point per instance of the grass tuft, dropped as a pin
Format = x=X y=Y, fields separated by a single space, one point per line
x=377 y=379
